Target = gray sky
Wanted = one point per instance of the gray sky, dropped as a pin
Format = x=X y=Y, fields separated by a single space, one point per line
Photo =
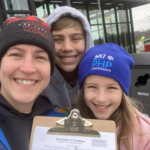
x=140 y=19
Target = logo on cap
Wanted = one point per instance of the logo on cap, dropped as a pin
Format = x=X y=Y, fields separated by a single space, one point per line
x=102 y=62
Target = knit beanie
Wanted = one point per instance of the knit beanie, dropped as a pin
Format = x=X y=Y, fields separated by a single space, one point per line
x=27 y=30
x=109 y=60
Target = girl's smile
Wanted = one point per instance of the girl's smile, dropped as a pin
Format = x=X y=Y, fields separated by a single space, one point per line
x=102 y=95
x=102 y=108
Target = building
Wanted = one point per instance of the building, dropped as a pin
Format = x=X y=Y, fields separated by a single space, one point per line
x=110 y=20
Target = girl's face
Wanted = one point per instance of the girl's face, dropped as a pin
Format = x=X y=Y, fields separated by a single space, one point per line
x=102 y=95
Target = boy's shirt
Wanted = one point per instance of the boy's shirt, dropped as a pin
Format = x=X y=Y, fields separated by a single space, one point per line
x=62 y=93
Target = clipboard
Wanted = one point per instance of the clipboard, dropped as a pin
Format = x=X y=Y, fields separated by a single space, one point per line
x=98 y=125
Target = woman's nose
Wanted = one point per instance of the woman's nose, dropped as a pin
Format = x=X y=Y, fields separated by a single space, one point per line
x=28 y=66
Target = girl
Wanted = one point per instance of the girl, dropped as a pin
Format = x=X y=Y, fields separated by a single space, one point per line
x=104 y=80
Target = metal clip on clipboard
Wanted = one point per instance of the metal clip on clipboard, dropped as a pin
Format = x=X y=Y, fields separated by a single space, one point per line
x=74 y=126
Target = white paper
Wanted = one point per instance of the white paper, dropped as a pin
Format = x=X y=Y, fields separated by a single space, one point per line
x=44 y=141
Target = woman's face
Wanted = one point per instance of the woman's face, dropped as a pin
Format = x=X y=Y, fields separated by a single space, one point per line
x=24 y=73
x=102 y=95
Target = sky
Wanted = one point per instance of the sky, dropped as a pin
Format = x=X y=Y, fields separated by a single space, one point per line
x=140 y=19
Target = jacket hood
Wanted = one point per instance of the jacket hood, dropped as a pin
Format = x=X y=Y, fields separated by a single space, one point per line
x=66 y=10
x=42 y=105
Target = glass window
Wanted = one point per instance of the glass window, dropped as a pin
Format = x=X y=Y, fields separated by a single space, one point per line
x=97 y=34
x=94 y=28
x=109 y=16
x=95 y=15
x=131 y=32
x=51 y=7
x=121 y=16
x=41 y=10
x=45 y=12
x=96 y=19
x=124 y=37
x=129 y=15
x=1 y=20
x=81 y=8
x=16 y=4
x=111 y=34
x=21 y=15
x=56 y=5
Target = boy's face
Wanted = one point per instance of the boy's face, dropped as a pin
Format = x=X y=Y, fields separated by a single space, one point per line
x=69 y=48
x=24 y=73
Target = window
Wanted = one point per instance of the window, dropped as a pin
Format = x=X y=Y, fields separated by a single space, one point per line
x=44 y=9
x=95 y=15
x=121 y=16
x=21 y=15
x=111 y=34
x=131 y=38
x=51 y=7
x=16 y=4
x=109 y=16
x=124 y=37
x=129 y=19
x=97 y=34
x=41 y=10
x=81 y=8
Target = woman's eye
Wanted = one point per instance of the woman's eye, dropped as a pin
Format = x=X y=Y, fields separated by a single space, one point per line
x=41 y=57
x=15 y=54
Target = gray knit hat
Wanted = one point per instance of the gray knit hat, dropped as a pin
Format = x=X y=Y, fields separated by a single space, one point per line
x=27 y=30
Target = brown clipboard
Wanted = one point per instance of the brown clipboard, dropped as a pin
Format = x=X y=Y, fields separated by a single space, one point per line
x=98 y=125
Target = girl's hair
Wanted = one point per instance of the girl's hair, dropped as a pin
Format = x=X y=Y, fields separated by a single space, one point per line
x=67 y=22
x=125 y=117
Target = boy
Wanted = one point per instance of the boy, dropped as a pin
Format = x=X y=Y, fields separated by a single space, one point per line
x=72 y=35
x=26 y=64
